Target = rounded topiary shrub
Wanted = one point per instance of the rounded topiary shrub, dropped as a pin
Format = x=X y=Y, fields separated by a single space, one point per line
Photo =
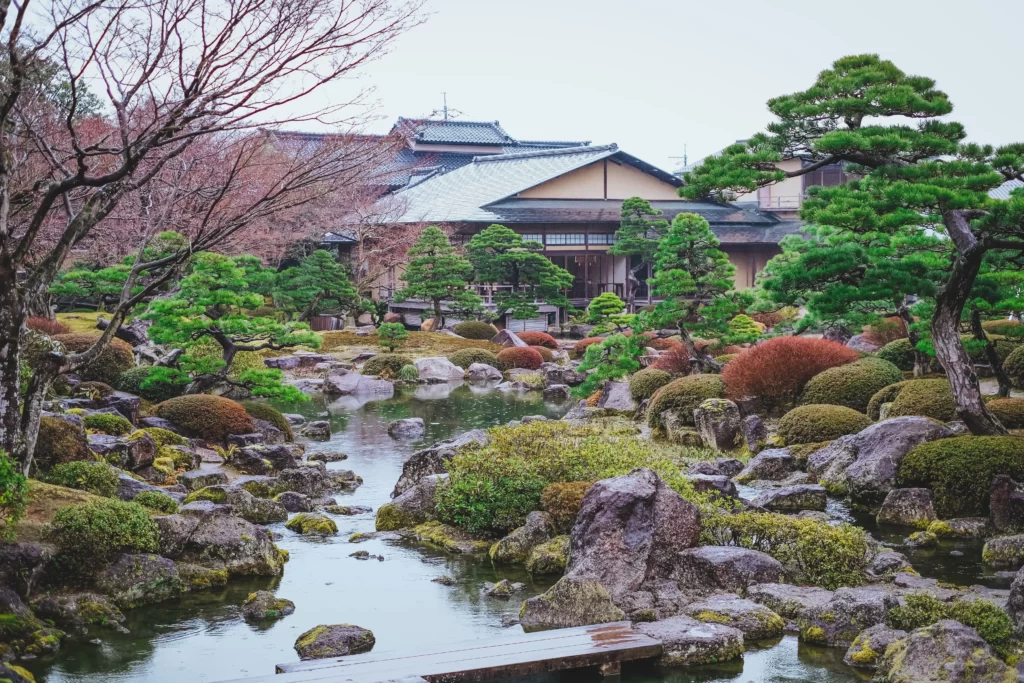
x=467 y=357
x=92 y=476
x=59 y=440
x=562 y=501
x=581 y=346
x=519 y=357
x=643 y=384
x=1009 y=411
x=131 y=382
x=819 y=422
x=268 y=413
x=681 y=396
x=538 y=339
x=95 y=533
x=545 y=353
x=851 y=385
x=900 y=353
x=108 y=423
x=923 y=397
x=408 y=373
x=386 y=365
x=1014 y=366
x=475 y=329
x=207 y=417
x=664 y=343
x=959 y=471
x=112 y=362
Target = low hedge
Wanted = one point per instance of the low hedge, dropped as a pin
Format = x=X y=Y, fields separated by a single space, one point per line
x=643 y=384
x=386 y=365
x=562 y=501
x=95 y=533
x=467 y=357
x=538 y=339
x=519 y=357
x=1014 y=366
x=851 y=385
x=268 y=413
x=820 y=422
x=92 y=476
x=1009 y=411
x=960 y=470
x=921 y=397
x=117 y=358
x=545 y=353
x=207 y=417
x=683 y=395
x=476 y=329
x=131 y=382
x=108 y=423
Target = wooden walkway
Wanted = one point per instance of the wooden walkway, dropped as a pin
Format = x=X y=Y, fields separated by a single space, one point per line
x=604 y=645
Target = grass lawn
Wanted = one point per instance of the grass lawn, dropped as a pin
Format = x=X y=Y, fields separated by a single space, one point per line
x=44 y=500
x=418 y=345
x=81 y=322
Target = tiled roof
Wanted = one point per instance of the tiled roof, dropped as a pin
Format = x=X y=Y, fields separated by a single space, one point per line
x=1003 y=191
x=455 y=132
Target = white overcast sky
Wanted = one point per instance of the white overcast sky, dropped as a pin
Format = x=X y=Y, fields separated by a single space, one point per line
x=653 y=75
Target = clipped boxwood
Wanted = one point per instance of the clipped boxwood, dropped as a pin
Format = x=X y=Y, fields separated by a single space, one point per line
x=92 y=476
x=900 y=353
x=682 y=396
x=519 y=357
x=538 y=339
x=475 y=329
x=386 y=364
x=1014 y=366
x=1009 y=411
x=960 y=470
x=545 y=353
x=95 y=533
x=268 y=413
x=112 y=362
x=643 y=384
x=156 y=500
x=59 y=440
x=851 y=385
x=131 y=382
x=467 y=357
x=205 y=416
x=108 y=423
x=922 y=397
x=820 y=422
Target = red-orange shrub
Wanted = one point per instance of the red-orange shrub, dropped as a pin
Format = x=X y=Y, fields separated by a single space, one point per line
x=547 y=354
x=520 y=357
x=885 y=331
x=769 y=319
x=778 y=369
x=47 y=326
x=675 y=361
x=663 y=344
x=582 y=344
x=538 y=339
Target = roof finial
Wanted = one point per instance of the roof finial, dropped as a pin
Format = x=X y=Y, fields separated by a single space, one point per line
x=445 y=112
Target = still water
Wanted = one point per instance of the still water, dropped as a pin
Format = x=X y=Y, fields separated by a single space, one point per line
x=203 y=637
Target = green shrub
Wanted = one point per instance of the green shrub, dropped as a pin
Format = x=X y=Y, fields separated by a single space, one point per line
x=1014 y=366
x=214 y=494
x=467 y=357
x=13 y=492
x=820 y=422
x=920 y=609
x=562 y=501
x=268 y=413
x=207 y=417
x=1010 y=328
x=108 y=423
x=519 y=357
x=155 y=500
x=496 y=486
x=386 y=365
x=922 y=397
x=117 y=358
x=94 y=477
x=207 y=349
x=851 y=385
x=812 y=551
x=131 y=382
x=1010 y=411
x=58 y=441
x=900 y=353
x=545 y=353
x=391 y=335
x=408 y=373
x=960 y=470
x=95 y=533
x=161 y=437
x=643 y=384
x=682 y=396
x=475 y=329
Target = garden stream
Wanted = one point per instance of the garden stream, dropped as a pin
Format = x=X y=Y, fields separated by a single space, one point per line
x=203 y=637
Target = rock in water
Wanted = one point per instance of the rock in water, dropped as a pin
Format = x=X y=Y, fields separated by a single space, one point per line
x=570 y=602
x=550 y=557
x=438 y=369
x=516 y=547
x=433 y=460
x=946 y=651
x=726 y=568
x=869 y=646
x=630 y=528
x=407 y=428
x=771 y=465
x=718 y=423
x=757 y=622
x=787 y=600
x=336 y=640
x=907 y=507
x=415 y=506
x=264 y=606
x=219 y=541
x=850 y=611
x=136 y=580
x=686 y=641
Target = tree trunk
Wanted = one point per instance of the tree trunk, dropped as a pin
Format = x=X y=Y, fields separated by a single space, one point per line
x=701 y=359
x=12 y=318
x=438 y=316
x=921 y=359
x=990 y=354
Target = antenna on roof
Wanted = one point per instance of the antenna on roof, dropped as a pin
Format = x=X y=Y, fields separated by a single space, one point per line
x=445 y=111
x=685 y=161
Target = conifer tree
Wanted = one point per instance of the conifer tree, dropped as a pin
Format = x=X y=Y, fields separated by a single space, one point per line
x=318 y=282
x=638 y=236
x=911 y=182
x=439 y=274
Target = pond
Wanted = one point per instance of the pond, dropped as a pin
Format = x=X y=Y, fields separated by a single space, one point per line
x=203 y=637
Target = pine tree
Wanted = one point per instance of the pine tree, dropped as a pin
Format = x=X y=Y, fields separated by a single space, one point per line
x=317 y=283
x=501 y=256
x=911 y=182
x=439 y=274
x=695 y=278
x=638 y=236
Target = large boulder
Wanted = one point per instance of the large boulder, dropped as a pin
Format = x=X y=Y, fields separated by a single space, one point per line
x=869 y=646
x=432 y=460
x=74 y=611
x=481 y=372
x=686 y=641
x=850 y=611
x=616 y=397
x=219 y=541
x=756 y=621
x=335 y=640
x=793 y=498
x=136 y=580
x=353 y=383
x=630 y=528
x=516 y=547
x=1015 y=603
x=907 y=507
x=728 y=568
x=946 y=651
x=549 y=558
x=407 y=428
x=718 y=423
x=127 y=453
x=865 y=464
x=772 y=465
x=570 y=602
x=1006 y=504
x=438 y=369
x=414 y=506
x=508 y=338
x=787 y=600
x=311 y=479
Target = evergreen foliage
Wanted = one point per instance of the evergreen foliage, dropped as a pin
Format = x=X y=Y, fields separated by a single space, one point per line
x=637 y=238
x=391 y=335
x=318 y=283
x=439 y=274
x=476 y=329
x=615 y=357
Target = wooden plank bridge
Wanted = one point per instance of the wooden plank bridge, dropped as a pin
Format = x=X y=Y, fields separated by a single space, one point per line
x=604 y=645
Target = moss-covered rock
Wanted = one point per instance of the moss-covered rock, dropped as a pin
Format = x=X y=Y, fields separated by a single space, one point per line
x=817 y=422
x=550 y=557
x=265 y=606
x=681 y=396
x=688 y=642
x=517 y=546
x=869 y=646
x=312 y=524
x=757 y=622
x=851 y=385
x=195 y=577
x=336 y=640
x=570 y=602
x=60 y=439
x=77 y=610
x=134 y=580
x=451 y=538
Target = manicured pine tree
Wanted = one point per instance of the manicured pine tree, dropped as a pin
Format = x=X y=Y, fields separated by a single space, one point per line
x=637 y=237
x=911 y=182
x=317 y=283
x=439 y=274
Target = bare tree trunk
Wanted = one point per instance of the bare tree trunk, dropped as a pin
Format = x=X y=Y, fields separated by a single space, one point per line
x=701 y=359
x=438 y=316
x=921 y=359
x=990 y=354
x=12 y=319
